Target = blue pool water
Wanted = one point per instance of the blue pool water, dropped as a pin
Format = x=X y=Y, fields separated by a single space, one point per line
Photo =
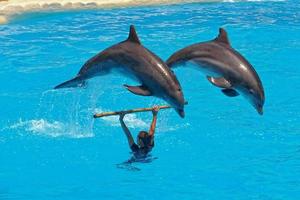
x=52 y=148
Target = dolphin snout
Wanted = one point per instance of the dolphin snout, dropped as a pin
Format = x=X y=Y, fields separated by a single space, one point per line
x=178 y=102
x=260 y=110
x=180 y=112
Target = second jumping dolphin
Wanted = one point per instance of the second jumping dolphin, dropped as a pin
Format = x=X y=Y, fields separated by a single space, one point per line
x=134 y=60
x=226 y=68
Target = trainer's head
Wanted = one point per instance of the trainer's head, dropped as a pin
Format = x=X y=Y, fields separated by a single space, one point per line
x=143 y=140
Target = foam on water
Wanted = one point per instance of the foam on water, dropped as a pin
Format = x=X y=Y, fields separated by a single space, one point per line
x=68 y=121
x=49 y=128
x=67 y=125
x=136 y=122
x=131 y=120
x=72 y=119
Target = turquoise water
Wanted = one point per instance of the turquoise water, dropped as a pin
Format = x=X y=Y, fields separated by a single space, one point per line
x=52 y=148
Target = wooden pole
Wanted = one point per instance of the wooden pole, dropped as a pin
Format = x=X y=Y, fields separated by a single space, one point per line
x=105 y=114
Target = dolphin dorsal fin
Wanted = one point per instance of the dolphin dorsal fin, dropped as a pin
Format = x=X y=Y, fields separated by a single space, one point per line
x=222 y=37
x=133 y=37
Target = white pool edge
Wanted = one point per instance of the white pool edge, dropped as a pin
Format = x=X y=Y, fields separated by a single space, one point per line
x=10 y=8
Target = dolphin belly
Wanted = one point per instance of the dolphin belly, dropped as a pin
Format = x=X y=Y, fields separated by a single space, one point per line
x=206 y=68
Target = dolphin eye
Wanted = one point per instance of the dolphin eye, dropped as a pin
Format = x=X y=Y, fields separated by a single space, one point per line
x=251 y=91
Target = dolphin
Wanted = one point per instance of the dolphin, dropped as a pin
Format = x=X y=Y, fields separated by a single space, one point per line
x=132 y=59
x=225 y=68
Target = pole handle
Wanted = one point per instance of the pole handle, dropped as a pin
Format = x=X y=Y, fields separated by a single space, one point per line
x=105 y=114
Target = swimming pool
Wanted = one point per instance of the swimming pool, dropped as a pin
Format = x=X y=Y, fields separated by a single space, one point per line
x=52 y=148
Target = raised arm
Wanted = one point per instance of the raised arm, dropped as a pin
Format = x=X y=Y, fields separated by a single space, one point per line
x=126 y=130
x=154 y=119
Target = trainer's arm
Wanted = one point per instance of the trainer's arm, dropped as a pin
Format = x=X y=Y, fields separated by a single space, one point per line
x=153 y=124
x=126 y=130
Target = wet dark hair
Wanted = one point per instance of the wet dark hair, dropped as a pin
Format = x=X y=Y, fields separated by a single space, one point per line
x=143 y=137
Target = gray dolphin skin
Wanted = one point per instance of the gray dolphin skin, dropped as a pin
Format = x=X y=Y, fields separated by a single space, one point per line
x=132 y=59
x=225 y=68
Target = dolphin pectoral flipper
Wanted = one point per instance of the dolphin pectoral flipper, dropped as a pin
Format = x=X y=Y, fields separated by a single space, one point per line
x=219 y=82
x=139 y=90
x=230 y=92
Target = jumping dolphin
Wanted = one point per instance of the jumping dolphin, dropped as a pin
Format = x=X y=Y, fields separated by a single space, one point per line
x=225 y=68
x=131 y=58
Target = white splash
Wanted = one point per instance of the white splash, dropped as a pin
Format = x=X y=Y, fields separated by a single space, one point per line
x=49 y=128
x=131 y=120
x=164 y=124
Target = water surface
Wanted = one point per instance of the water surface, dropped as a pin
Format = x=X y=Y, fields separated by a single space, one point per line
x=51 y=148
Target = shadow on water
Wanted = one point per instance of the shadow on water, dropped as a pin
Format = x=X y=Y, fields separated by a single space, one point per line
x=130 y=164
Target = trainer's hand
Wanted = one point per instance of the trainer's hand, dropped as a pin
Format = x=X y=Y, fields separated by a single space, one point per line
x=155 y=110
x=122 y=115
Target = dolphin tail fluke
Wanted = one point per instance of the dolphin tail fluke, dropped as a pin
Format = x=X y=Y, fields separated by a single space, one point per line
x=75 y=82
